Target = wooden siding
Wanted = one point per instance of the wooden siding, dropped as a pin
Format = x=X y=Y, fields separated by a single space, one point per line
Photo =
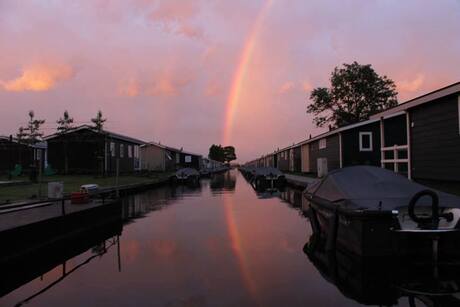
x=88 y=152
x=351 y=153
x=297 y=159
x=153 y=158
x=331 y=153
x=435 y=140
x=283 y=160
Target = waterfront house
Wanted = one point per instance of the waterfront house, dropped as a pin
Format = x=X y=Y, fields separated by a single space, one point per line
x=210 y=164
x=283 y=159
x=419 y=139
x=84 y=149
x=158 y=157
x=16 y=157
x=427 y=140
x=186 y=158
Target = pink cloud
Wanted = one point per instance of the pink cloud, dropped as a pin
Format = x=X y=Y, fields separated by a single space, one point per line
x=287 y=87
x=177 y=16
x=411 y=85
x=130 y=88
x=38 y=78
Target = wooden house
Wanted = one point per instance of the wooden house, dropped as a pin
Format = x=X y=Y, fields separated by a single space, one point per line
x=422 y=135
x=419 y=138
x=86 y=150
x=158 y=157
x=15 y=154
x=283 y=159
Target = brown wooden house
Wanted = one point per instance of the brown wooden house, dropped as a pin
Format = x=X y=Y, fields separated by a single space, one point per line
x=86 y=150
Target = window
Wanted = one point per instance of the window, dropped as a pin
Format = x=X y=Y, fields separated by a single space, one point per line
x=188 y=159
x=365 y=141
x=112 y=149
x=136 y=151
x=322 y=143
x=122 y=150
x=130 y=151
x=177 y=158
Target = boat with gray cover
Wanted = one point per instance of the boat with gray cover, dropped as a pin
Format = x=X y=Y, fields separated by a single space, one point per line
x=373 y=211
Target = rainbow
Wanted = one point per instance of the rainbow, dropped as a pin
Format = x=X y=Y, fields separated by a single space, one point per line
x=237 y=248
x=241 y=71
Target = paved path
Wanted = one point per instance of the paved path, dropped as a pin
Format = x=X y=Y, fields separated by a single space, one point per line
x=12 y=218
x=299 y=181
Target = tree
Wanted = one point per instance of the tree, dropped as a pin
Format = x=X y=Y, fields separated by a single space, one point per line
x=229 y=153
x=222 y=154
x=31 y=134
x=64 y=123
x=216 y=152
x=356 y=93
x=98 y=121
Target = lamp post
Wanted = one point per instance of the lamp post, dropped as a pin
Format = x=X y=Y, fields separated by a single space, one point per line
x=10 y=157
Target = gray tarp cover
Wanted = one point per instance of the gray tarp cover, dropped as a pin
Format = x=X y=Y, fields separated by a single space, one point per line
x=364 y=187
x=264 y=171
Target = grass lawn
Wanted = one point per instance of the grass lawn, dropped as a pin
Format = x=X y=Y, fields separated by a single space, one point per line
x=72 y=183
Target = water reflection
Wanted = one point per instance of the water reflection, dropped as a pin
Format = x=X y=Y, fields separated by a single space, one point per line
x=223 y=182
x=216 y=244
x=26 y=263
x=387 y=281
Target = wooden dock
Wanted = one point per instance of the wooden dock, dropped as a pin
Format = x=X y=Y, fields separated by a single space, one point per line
x=300 y=182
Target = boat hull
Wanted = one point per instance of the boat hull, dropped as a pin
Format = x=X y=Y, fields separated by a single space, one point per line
x=377 y=234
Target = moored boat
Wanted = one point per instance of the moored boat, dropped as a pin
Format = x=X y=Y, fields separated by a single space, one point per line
x=268 y=178
x=372 y=211
x=186 y=175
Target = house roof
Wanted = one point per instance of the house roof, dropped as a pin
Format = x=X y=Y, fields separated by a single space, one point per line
x=439 y=93
x=170 y=148
x=87 y=127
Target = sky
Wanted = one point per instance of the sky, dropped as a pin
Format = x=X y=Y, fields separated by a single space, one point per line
x=191 y=73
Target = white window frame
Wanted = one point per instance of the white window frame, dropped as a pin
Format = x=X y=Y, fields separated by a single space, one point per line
x=323 y=143
x=136 y=151
x=122 y=150
x=130 y=151
x=361 y=135
x=112 y=149
x=188 y=159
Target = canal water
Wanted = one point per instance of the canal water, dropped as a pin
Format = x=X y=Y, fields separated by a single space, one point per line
x=216 y=244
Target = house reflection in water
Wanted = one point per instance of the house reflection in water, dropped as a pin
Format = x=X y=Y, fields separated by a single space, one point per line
x=222 y=182
x=24 y=264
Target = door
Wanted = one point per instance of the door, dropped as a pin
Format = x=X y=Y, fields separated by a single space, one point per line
x=305 y=153
x=322 y=167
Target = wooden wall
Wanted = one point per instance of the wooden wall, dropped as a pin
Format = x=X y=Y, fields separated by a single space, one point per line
x=331 y=153
x=435 y=140
x=351 y=154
